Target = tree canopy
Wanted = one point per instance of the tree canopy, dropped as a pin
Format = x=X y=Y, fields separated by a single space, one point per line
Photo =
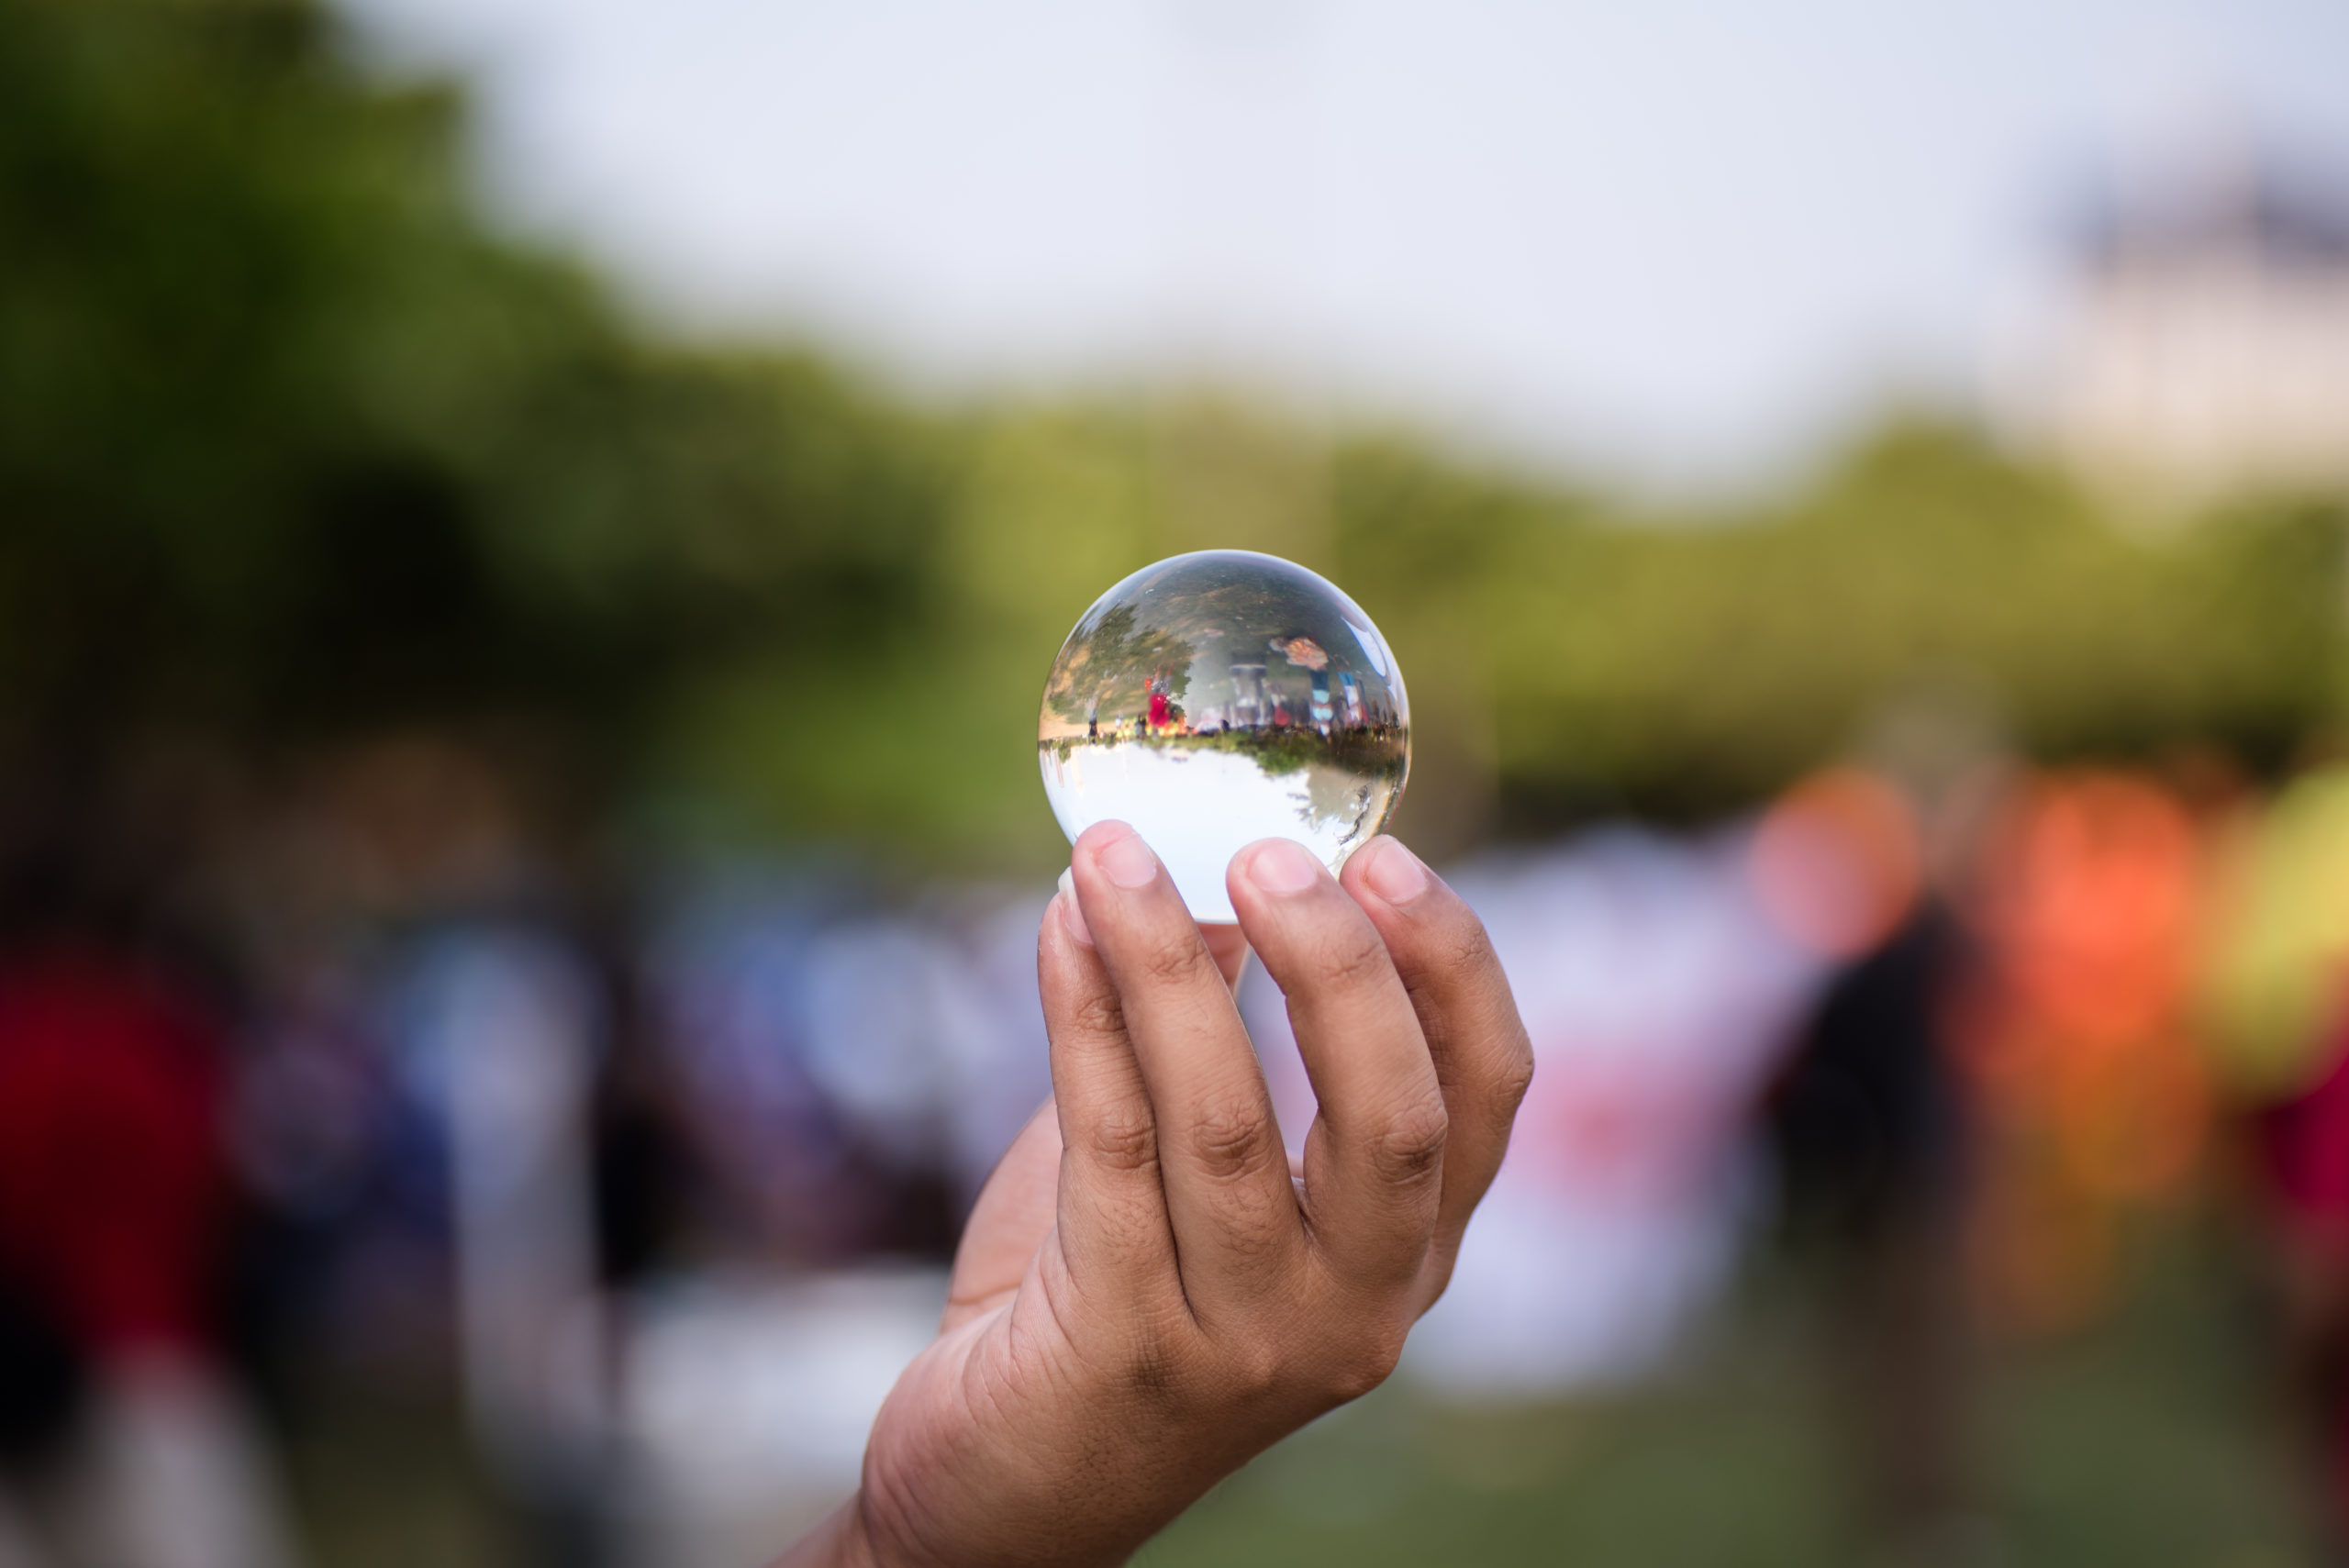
x=297 y=444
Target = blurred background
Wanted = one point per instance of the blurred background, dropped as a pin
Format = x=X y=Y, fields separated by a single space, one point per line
x=530 y=535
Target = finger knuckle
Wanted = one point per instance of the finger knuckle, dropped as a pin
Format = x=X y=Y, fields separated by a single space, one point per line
x=1178 y=964
x=1465 y=948
x=1513 y=1079
x=1230 y=1139
x=1256 y=1368
x=1100 y=1014
x=1356 y=959
x=1123 y=1140
x=1407 y=1148
x=1155 y=1366
x=1369 y=1360
x=1151 y=1366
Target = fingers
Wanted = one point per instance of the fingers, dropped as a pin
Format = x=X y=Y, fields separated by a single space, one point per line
x=1171 y=1145
x=1229 y=1199
x=1473 y=1034
x=1111 y=1210
x=1374 y=1160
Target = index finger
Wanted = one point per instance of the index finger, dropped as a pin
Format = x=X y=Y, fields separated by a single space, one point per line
x=1229 y=1198
x=1482 y=1056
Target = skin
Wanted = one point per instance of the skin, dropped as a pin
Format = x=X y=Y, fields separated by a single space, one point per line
x=1148 y=1294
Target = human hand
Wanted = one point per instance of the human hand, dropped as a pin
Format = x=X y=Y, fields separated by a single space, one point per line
x=1147 y=1296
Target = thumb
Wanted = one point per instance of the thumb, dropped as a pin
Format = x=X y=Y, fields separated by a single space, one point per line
x=1013 y=1214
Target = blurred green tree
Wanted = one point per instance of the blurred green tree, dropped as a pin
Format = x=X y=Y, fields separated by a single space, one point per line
x=298 y=446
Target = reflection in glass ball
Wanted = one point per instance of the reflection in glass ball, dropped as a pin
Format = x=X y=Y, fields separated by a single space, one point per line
x=1221 y=697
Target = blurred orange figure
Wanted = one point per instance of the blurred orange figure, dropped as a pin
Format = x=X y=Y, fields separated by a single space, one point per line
x=2074 y=1038
x=1838 y=863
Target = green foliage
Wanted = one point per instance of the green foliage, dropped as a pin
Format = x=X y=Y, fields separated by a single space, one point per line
x=297 y=447
x=1120 y=663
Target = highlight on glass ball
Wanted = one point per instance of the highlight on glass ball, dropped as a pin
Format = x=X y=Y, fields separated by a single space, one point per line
x=1221 y=697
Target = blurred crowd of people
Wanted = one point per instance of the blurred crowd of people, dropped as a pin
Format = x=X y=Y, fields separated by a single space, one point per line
x=371 y=1075
x=2062 y=1011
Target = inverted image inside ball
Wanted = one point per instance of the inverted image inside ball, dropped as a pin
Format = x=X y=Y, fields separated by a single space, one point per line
x=1220 y=697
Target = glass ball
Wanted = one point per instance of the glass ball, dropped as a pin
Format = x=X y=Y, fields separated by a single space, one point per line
x=1221 y=697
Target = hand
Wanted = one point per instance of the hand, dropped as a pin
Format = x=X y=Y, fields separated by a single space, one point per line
x=1147 y=1296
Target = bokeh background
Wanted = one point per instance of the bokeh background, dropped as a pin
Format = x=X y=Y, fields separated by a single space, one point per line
x=530 y=534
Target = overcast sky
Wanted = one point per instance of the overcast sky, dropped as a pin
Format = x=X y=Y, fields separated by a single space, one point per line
x=1656 y=237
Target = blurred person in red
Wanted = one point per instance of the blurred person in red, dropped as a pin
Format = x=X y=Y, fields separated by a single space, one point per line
x=2277 y=998
x=1871 y=1138
x=2076 y=1037
x=127 y=1444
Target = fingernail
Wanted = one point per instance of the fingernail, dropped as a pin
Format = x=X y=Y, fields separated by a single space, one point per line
x=1071 y=916
x=1394 y=873
x=1280 y=866
x=1127 y=862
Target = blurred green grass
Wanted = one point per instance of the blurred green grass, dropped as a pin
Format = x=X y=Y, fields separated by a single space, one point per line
x=2149 y=1441
x=384 y=1481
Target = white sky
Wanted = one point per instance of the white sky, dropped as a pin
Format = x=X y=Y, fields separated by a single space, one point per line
x=1669 y=240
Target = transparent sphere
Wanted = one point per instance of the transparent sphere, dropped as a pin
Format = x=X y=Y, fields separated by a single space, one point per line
x=1221 y=697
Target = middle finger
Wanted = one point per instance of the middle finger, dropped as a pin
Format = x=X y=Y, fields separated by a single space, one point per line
x=1374 y=1158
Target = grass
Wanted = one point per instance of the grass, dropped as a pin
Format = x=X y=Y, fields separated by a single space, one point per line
x=2148 y=1443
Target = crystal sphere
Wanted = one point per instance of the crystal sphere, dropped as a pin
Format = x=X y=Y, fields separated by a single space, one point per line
x=1221 y=697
